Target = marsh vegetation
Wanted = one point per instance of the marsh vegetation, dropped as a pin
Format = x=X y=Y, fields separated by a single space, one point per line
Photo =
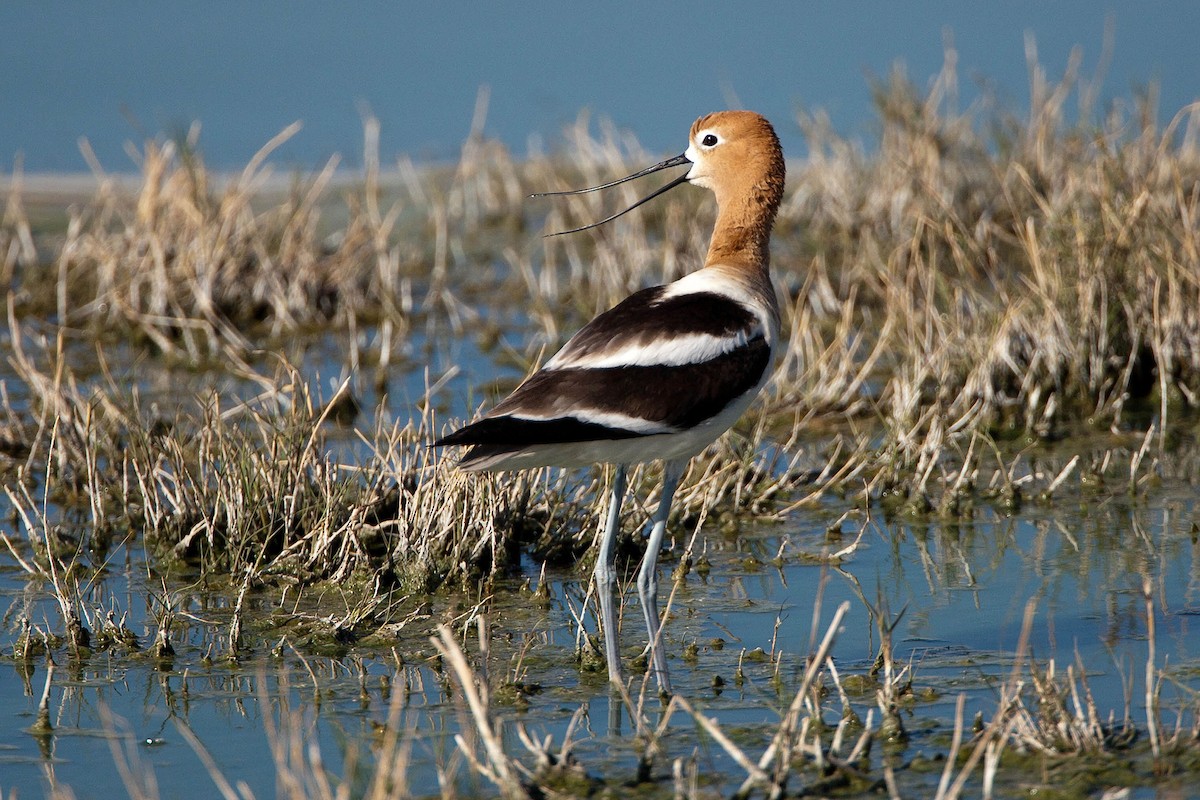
x=218 y=491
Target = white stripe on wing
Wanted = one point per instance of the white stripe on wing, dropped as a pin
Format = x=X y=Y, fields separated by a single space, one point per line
x=667 y=351
x=609 y=419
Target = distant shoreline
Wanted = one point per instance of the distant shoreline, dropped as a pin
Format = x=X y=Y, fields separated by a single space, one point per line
x=71 y=186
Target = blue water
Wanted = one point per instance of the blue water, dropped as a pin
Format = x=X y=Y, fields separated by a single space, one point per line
x=120 y=72
x=963 y=590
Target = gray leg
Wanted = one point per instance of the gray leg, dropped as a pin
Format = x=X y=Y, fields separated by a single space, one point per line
x=606 y=575
x=648 y=575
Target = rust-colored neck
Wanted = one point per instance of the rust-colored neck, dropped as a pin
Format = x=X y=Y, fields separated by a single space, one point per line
x=745 y=215
x=742 y=234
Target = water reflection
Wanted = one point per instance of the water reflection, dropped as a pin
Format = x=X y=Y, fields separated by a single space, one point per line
x=742 y=621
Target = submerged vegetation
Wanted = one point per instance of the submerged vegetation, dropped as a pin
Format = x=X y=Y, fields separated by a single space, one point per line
x=985 y=309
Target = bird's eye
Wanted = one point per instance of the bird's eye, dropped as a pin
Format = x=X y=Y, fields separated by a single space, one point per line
x=709 y=141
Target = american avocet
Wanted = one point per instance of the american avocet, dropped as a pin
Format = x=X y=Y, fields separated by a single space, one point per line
x=665 y=372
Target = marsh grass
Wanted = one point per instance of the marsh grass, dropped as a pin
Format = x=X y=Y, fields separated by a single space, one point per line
x=979 y=272
x=986 y=310
x=827 y=741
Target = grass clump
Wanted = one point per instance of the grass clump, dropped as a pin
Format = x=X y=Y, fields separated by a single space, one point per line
x=1004 y=273
x=979 y=272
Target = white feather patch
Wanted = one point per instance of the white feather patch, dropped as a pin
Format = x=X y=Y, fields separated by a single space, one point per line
x=675 y=351
x=609 y=419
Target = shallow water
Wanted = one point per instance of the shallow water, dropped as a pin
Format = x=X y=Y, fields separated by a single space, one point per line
x=959 y=633
x=960 y=591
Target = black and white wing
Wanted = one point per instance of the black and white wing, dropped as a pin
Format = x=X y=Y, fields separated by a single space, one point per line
x=660 y=362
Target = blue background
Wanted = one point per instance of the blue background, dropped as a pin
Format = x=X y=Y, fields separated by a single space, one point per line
x=119 y=72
